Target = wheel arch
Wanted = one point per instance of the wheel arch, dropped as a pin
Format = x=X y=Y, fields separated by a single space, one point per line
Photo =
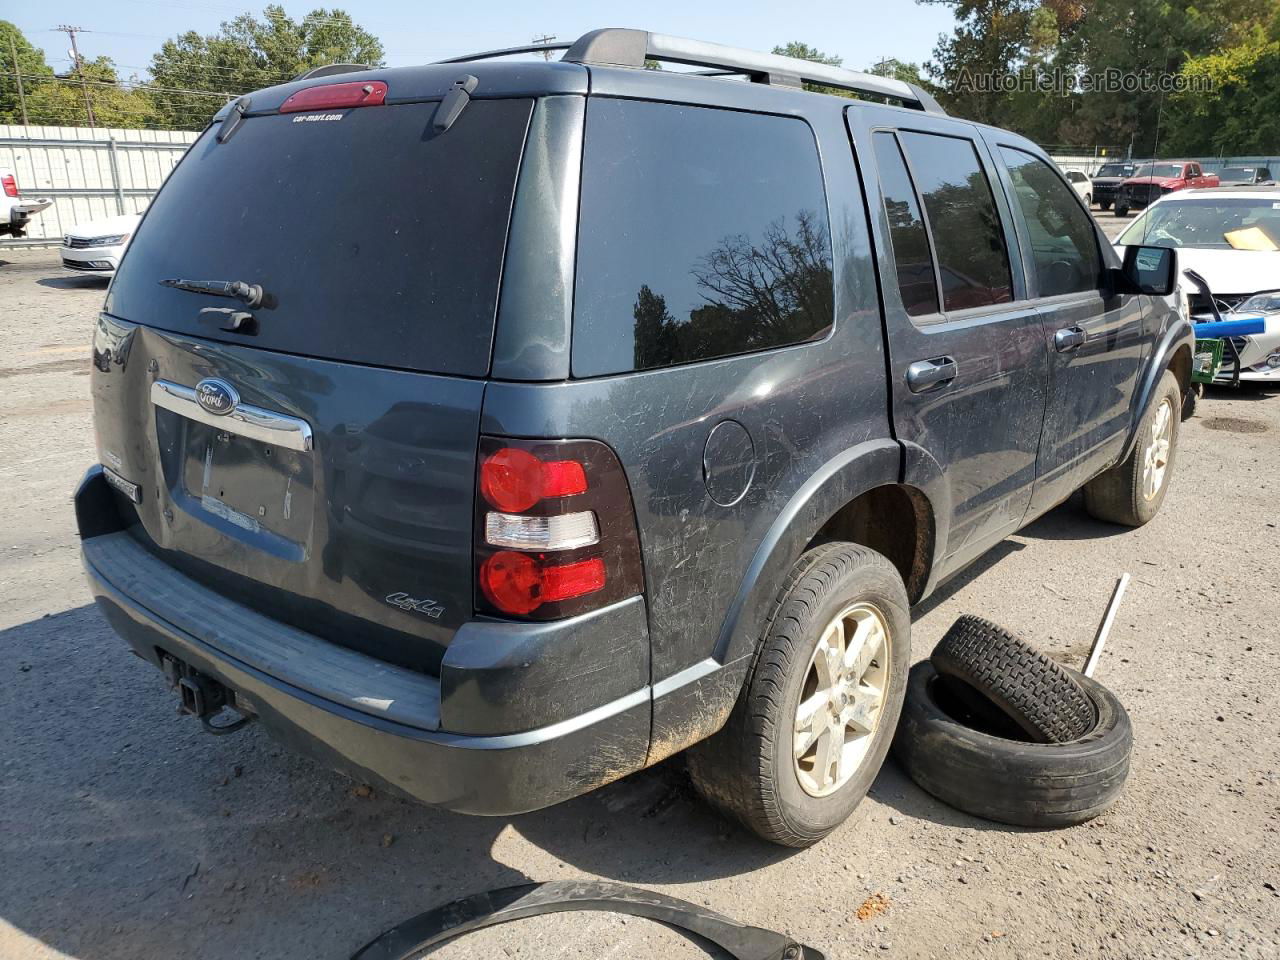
x=1172 y=352
x=838 y=502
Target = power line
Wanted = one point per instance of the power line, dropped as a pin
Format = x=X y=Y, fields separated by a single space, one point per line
x=133 y=84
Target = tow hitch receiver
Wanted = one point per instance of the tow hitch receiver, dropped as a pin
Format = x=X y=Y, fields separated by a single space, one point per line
x=202 y=697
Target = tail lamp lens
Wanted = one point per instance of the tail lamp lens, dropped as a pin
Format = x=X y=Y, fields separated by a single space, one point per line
x=513 y=480
x=555 y=529
x=519 y=583
x=10 y=185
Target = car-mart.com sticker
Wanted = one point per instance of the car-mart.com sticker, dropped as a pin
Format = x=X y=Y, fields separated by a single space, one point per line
x=316 y=117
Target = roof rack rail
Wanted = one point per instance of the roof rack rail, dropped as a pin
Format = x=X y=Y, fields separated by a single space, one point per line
x=329 y=70
x=621 y=47
x=508 y=52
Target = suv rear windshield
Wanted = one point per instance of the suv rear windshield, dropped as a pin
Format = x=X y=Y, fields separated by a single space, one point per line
x=380 y=241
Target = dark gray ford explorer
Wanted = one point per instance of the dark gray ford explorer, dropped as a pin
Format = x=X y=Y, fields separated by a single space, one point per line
x=493 y=429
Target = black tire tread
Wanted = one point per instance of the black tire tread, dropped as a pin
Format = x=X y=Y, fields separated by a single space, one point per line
x=733 y=770
x=1026 y=784
x=1030 y=686
x=1115 y=495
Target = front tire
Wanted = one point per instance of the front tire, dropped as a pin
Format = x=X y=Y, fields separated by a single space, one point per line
x=816 y=716
x=1131 y=492
x=1104 y=204
x=1121 y=211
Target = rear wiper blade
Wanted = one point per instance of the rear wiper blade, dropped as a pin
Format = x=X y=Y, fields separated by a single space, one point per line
x=250 y=293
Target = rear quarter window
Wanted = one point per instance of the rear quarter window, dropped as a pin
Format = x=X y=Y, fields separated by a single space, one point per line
x=703 y=233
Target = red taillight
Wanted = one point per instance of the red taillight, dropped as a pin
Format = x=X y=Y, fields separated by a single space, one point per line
x=337 y=96
x=555 y=529
x=514 y=480
x=10 y=185
x=518 y=583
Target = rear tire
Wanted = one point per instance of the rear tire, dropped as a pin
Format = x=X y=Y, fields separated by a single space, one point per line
x=1028 y=784
x=1104 y=204
x=1031 y=688
x=814 y=719
x=1121 y=211
x=1132 y=491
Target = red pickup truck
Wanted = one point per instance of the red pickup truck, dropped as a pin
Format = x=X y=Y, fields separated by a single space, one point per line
x=1158 y=177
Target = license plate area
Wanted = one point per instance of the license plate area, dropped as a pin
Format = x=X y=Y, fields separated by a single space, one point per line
x=254 y=486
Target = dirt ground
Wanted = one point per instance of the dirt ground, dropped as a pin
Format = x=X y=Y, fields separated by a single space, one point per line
x=126 y=832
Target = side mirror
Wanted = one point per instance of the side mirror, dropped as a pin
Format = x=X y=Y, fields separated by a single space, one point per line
x=1149 y=270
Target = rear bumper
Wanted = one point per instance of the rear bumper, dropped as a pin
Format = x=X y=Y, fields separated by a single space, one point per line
x=368 y=718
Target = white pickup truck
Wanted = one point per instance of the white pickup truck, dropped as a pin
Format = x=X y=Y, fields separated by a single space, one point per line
x=15 y=212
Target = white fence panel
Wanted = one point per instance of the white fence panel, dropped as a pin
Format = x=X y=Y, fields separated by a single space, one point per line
x=89 y=174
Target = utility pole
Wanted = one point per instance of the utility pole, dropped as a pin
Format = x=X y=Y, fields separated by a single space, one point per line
x=17 y=74
x=545 y=38
x=75 y=54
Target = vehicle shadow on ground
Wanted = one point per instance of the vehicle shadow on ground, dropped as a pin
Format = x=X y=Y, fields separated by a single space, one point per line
x=1070 y=521
x=74 y=283
x=1248 y=390
x=139 y=835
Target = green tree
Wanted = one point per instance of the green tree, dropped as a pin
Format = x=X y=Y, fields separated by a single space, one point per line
x=989 y=44
x=251 y=52
x=30 y=64
x=896 y=70
x=1239 y=112
x=802 y=51
x=60 y=100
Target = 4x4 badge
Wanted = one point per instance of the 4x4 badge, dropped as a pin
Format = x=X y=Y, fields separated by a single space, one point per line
x=217 y=396
x=406 y=602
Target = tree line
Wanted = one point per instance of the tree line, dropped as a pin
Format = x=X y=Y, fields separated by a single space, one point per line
x=1196 y=77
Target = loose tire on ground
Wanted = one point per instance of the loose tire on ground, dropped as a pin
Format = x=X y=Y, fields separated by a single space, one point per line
x=1026 y=784
x=1122 y=494
x=1033 y=689
x=749 y=769
x=1190 y=399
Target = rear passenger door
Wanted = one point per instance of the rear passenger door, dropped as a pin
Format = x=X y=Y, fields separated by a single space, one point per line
x=1095 y=338
x=967 y=357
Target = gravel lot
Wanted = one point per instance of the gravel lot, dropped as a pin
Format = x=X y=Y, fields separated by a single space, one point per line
x=127 y=832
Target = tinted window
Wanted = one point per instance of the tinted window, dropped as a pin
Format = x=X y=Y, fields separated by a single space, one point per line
x=1063 y=244
x=380 y=241
x=916 y=280
x=703 y=233
x=1167 y=170
x=967 y=236
x=1117 y=170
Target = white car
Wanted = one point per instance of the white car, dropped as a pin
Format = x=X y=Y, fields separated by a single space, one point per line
x=1230 y=236
x=15 y=212
x=97 y=246
x=1082 y=184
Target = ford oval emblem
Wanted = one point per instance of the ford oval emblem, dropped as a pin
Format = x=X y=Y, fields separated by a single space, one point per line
x=217 y=396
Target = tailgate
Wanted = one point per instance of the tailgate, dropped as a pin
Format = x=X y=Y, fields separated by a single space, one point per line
x=333 y=497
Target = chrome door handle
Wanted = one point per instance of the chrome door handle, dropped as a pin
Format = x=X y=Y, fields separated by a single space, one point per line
x=929 y=374
x=1069 y=338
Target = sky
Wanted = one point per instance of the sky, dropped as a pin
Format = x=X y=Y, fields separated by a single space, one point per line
x=861 y=31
